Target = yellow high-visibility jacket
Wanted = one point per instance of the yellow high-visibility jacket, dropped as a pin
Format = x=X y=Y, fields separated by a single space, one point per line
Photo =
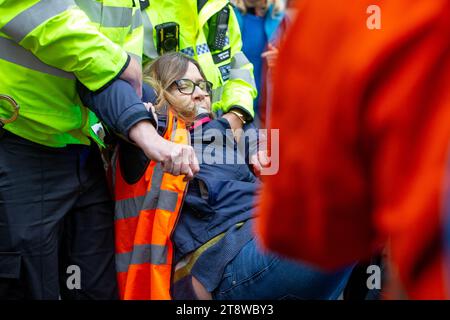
x=229 y=69
x=46 y=45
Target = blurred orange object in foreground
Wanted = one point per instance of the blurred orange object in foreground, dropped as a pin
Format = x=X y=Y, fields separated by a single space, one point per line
x=364 y=118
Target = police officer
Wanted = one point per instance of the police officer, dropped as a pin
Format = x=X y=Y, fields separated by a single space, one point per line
x=208 y=31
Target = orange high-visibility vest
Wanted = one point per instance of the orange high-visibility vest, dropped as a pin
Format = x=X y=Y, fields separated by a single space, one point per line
x=145 y=216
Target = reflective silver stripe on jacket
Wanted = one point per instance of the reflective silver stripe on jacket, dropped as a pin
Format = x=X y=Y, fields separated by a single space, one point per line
x=106 y=16
x=154 y=199
x=137 y=20
x=14 y=53
x=92 y=9
x=116 y=17
x=29 y=19
x=149 y=45
x=239 y=60
x=217 y=94
x=144 y=253
x=242 y=74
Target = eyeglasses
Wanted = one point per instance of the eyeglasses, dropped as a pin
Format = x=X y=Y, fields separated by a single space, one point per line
x=187 y=86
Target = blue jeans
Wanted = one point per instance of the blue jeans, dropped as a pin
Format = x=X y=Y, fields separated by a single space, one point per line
x=254 y=275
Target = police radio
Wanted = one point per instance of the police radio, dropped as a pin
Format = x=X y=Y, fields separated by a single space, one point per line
x=218 y=26
x=167 y=37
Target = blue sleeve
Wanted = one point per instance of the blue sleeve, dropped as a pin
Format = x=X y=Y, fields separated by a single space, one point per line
x=118 y=105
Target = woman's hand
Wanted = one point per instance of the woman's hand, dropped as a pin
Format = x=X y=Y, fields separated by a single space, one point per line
x=260 y=160
x=176 y=159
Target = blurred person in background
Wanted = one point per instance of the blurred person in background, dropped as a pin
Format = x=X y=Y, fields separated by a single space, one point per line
x=270 y=57
x=259 y=21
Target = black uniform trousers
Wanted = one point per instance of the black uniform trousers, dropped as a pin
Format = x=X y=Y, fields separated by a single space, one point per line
x=56 y=222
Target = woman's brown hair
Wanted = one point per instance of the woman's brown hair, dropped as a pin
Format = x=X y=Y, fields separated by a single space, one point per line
x=161 y=75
